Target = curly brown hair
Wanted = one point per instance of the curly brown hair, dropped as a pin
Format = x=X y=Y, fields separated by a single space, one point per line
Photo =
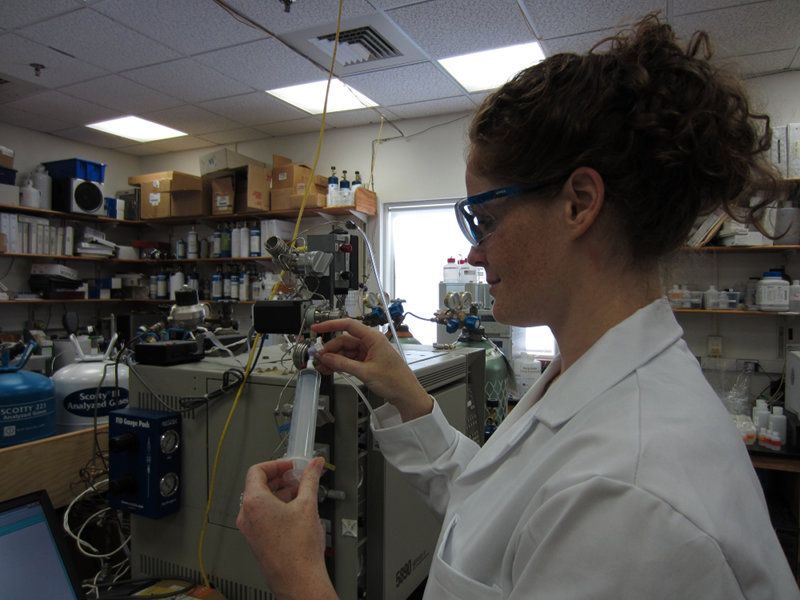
x=672 y=135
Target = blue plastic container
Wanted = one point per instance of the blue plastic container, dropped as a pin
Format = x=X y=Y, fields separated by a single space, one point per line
x=8 y=176
x=77 y=168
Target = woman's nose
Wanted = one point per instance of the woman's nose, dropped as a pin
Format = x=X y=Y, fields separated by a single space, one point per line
x=475 y=257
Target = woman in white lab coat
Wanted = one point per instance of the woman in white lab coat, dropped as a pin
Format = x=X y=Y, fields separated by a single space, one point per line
x=620 y=474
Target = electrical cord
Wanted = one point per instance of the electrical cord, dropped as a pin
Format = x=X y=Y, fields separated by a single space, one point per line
x=253 y=359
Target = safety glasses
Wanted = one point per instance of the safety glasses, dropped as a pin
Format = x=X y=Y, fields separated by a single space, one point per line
x=476 y=227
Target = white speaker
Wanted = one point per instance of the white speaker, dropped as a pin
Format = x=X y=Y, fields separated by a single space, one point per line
x=79 y=196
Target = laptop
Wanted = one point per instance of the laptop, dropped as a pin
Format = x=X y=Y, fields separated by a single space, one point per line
x=34 y=562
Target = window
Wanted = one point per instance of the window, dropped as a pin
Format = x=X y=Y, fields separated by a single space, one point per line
x=420 y=237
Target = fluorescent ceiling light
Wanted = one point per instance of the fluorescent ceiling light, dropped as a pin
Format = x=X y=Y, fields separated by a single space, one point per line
x=134 y=128
x=492 y=68
x=310 y=97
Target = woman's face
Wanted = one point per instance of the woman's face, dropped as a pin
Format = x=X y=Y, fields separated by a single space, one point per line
x=521 y=256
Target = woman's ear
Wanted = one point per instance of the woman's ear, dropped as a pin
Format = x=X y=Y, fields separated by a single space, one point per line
x=584 y=194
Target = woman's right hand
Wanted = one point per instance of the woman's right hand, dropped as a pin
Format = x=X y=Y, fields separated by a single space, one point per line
x=368 y=354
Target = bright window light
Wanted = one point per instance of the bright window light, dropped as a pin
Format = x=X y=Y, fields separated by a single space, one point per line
x=310 y=97
x=492 y=68
x=134 y=128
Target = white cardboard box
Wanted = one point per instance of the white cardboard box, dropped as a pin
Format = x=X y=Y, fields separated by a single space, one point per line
x=9 y=194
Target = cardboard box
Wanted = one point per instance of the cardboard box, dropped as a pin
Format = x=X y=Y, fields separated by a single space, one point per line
x=188 y=203
x=9 y=195
x=363 y=200
x=6 y=157
x=160 y=190
x=251 y=189
x=294 y=177
x=224 y=159
x=223 y=194
x=285 y=200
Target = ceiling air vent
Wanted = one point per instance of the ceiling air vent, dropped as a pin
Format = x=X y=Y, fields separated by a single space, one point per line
x=367 y=43
x=358 y=45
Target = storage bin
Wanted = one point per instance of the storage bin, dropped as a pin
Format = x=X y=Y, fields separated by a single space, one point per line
x=8 y=176
x=77 y=168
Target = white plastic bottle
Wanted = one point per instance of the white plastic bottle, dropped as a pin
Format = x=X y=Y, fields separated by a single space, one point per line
x=794 y=296
x=777 y=422
x=772 y=293
x=761 y=414
x=245 y=239
x=466 y=272
x=450 y=271
x=711 y=298
x=236 y=243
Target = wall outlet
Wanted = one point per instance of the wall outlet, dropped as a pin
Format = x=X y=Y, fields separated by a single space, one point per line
x=715 y=345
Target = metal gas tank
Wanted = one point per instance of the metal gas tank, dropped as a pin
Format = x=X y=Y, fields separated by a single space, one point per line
x=27 y=402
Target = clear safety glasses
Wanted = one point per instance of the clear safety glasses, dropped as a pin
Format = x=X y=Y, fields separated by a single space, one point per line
x=475 y=226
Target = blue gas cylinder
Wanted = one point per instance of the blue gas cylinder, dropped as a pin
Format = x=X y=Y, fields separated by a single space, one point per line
x=27 y=401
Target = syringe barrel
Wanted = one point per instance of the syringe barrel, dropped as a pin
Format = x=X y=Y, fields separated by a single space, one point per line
x=303 y=426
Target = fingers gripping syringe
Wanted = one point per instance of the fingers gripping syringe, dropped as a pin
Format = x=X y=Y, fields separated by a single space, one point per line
x=303 y=426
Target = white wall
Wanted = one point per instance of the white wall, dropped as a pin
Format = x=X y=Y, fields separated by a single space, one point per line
x=33 y=147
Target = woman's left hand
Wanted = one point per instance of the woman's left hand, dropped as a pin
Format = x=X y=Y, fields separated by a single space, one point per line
x=280 y=521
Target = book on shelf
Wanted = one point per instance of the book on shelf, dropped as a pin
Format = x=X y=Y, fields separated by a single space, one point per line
x=706 y=228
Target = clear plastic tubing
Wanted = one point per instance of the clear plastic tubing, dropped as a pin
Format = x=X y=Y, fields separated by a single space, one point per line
x=303 y=426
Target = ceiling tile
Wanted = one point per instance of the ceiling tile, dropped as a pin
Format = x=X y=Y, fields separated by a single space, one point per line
x=558 y=18
x=580 y=43
x=749 y=29
x=29 y=120
x=94 y=38
x=187 y=79
x=86 y=135
x=17 y=54
x=15 y=89
x=764 y=62
x=191 y=119
x=352 y=118
x=263 y=65
x=121 y=94
x=18 y=13
x=233 y=136
x=293 y=127
x=451 y=27
x=401 y=85
x=187 y=26
x=458 y=104
x=172 y=145
x=306 y=13
x=254 y=109
x=684 y=7
x=72 y=111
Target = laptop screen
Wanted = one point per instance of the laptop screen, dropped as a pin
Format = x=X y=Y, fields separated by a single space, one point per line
x=32 y=559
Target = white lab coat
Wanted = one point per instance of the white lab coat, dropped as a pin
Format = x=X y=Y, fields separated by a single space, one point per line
x=627 y=479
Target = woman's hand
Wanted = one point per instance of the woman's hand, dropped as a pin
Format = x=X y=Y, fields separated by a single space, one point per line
x=368 y=354
x=280 y=521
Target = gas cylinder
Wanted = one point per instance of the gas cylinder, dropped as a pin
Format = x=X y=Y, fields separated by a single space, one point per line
x=27 y=401
x=497 y=371
x=404 y=335
x=77 y=397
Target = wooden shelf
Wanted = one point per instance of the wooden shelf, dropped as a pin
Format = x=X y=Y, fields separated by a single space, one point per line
x=51 y=463
x=114 y=300
x=141 y=261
